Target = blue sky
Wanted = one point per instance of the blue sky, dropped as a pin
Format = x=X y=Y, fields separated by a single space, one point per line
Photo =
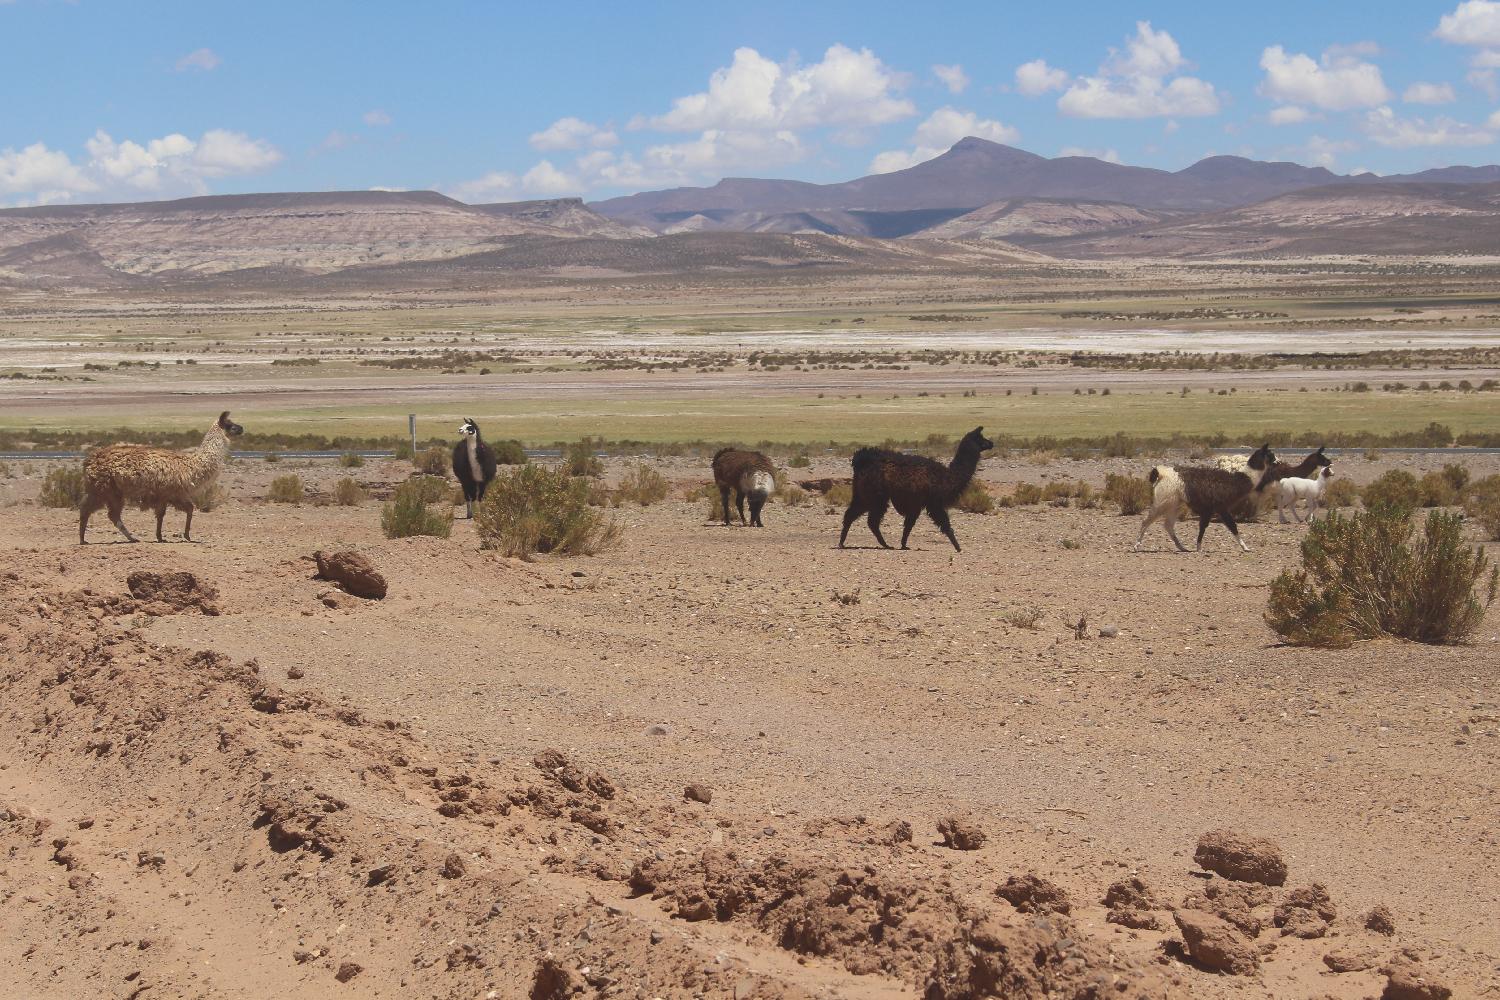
x=111 y=101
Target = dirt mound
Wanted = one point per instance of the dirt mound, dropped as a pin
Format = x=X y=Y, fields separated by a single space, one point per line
x=352 y=571
x=1216 y=944
x=1033 y=894
x=1244 y=859
x=172 y=593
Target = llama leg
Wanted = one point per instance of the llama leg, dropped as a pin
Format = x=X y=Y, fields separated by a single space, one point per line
x=117 y=508
x=873 y=519
x=940 y=518
x=161 y=513
x=187 y=526
x=724 y=499
x=739 y=502
x=911 y=522
x=1151 y=516
x=1281 y=510
x=85 y=510
x=1204 y=520
x=850 y=516
x=755 y=507
x=1171 y=523
x=1296 y=516
x=1234 y=530
x=1312 y=508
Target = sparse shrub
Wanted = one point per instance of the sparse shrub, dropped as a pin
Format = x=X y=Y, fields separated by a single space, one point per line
x=579 y=459
x=406 y=515
x=1457 y=476
x=5 y=470
x=1084 y=496
x=702 y=491
x=534 y=509
x=432 y=489
x=1437 y=490
x=1027 y=617
x=975 y=499
x=1396 y=488
x=509 y=452
x=1482 y=503
x=273 y=457
x=1339 y=493
x=1024 y=495
x=432 y=461
x=403 y=451
x=348 y=493
x=1070 y=543
x=800 y=461
x=351 y=460
x=643 y=485
x=791 y=495
x=1363 y=576
x=62 y=487
x=839 y=496
x=1057 y=490
x=285 y=489
x=1130 y=493
x=210 y=496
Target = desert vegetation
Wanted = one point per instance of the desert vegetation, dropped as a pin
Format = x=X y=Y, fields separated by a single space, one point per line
x=62 y=488
x=286 y=489
x=409 y=511
x=533 y=509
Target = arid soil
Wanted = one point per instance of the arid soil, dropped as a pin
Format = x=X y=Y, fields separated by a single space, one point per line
x=480 y=785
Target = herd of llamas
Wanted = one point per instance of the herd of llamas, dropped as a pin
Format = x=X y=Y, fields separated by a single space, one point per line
x=157 y=478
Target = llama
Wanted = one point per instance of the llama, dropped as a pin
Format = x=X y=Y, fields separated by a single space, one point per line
x=750 y=475
x=1208 y=492
x=1254 y=464
x=1295 y=488
x=912 y=484
x=153 y=478
x=473 y=464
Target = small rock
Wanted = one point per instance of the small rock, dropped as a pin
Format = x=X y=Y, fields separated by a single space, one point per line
x=1306 y=912
x=353 y=572
x=454 y=866
x=658 y=729
x=168 y=593
x=1409 y=981
x=1350 y=960
x=1244 y=859
x=1215 y=944
x=961 y=834
x=1032 y=894
x=1381 y=921
x=348 y=971
x=295 y=673
x=698 y=792
x=1109 y=632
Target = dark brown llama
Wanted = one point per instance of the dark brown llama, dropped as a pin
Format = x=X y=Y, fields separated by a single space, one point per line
x=750 y=475
x=911 y=484
x=1208 y=492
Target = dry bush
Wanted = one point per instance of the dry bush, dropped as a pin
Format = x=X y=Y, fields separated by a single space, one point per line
x=1085 y=497
x=1028 y=617
x=1131 y=494
x=351 y=460
x=1397 y=488
x=1437 y=490
x=286 y=489
x=700 y=492
x=791 y=495
x=1339 y=493
x=1057 y=490
x=403 y=451
x=1363 y=576
x=432 y=489
x=535 y=509
x=643 y=485
x=406 y=513
x=800 y=461
x=1043 y=456
x=210 y=496
x=1482 y=503
x=1024 y=495
x=975 y=499
x=432 y=461
x=272 y=457
x=579 y=459
x=5 y=470
x=62 y=487
x=348 y=493
x=1457 y=475
x=509 y=452
x=839 y=496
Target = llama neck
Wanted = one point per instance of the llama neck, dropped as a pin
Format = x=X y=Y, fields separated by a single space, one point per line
x=207 y=459
x=474 y=457
x=961 y=469
x=1307 y=468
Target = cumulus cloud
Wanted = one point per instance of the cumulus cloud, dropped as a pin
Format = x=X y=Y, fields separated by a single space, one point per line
x=171 y=165
x=953 y=77
x=1473 y=22
x=1385 y=127
x=845 y=88
x=1290 y=114
x=572 y=133
x=199 y=59
x=497 y=185
x=937 y=134
x=1429 y=93
x=1339 y=81
x=717 y=150
x=1144 y=81
x=377 y=118
x=1036 y=78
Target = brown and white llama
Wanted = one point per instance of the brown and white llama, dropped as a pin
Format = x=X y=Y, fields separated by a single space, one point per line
x=1207 y=492
x=912 y=484
x=153 y=478
x=750 y=475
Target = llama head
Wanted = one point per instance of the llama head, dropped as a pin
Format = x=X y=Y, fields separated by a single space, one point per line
x=1321 y=460
x=976 y=439
x=469 y=428
x=1326 y=471
x=229 y=426
x=1262 y=457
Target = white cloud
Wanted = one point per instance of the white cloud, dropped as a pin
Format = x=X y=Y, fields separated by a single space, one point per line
x=1473 y=22
x=717 y=150
x=846 y=88
x=171 y=165
x=1383 y=126
x=1107 y=155
x=377 y=118
x=1338 y=82
x=937 y=133
x=199 y=59
x=545 y=179
x=1324 y=152
x=1290 y=114
x=572 y=133
x=953 y=77
x=1429 y=93
x=1036 y=78
x=1135 y=83
x=496 y=185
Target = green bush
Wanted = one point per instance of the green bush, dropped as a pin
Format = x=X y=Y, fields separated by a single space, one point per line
x=643 y=485
x=800 y=461
x=1339 y=493
x=1397 y=489
x=509 y=452
x=348 y=493
x=62 y=488
x=1130 y=494
x=432 y=489
x=406 y=514
x=1437 y=490
x=432 y=461
x=1457 y=476
x=403 y=451
x=975 y=499
x=1482 y=503
x=285 y=489
x=1363 y=576
x=351 y=460
x=1024 y=495
x=535 y=509
x=579 y=459
x=272 y=457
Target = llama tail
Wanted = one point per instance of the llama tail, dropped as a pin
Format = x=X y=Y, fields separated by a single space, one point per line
x=1154 y=476
x=863 y=458
x=760 y=484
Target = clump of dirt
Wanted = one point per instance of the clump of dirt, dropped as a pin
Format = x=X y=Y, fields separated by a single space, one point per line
x=1130 y=903
x=352 y=571
x=1031 y=893
x=1306 y=912
x=1234 y=902
x=1242 y=858
x=1216 y=944
x=961 y=834
x=169 y=593
x=1407 y=979
x=1381 y=920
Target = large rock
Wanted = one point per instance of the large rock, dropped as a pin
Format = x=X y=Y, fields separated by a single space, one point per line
x=351 y=571
x=1410 y=981
x=1244 y=859
x=169 y=593
x=1306 y=912
x=1215 y=944
x=1033 y=894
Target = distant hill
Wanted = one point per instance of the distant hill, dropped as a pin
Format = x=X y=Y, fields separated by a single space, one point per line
x=1027 y=220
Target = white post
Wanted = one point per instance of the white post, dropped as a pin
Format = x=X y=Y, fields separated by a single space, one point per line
x=411 y=425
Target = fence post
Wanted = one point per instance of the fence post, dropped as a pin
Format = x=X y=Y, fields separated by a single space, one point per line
x=411 y=425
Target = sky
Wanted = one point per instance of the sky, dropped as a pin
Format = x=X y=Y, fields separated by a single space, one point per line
x=107 y=100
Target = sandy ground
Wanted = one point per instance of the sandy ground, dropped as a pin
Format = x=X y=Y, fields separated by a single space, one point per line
x=245 y=822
